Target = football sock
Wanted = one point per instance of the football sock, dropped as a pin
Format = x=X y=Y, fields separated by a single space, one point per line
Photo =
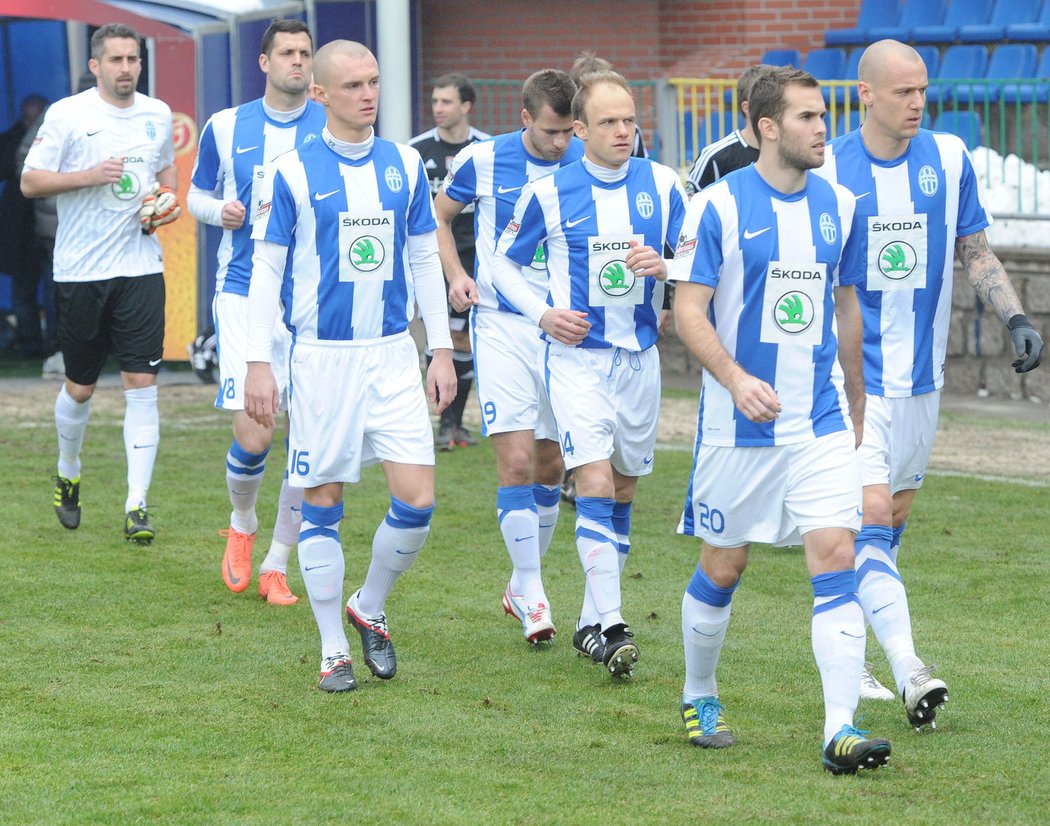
x=141 y=437
x=547 y=499
x=285 y=528
x=322 y=565
x=895 y=543
x=596 y=545
x=395 y=547
x=244 y=475
x=519 y=524
x=838 y=646
x=884 y=600
x=705 y=618
x=71 y=418
x=621 y=522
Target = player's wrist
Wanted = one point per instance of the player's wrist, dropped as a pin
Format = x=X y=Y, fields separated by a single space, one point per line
x=1018 y=320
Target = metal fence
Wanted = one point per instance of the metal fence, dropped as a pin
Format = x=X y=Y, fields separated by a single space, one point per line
x=1009 y=116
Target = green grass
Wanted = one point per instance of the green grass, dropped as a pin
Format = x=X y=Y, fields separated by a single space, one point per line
x=136 y=687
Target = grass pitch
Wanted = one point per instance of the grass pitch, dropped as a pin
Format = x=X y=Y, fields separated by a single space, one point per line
x=136 y=687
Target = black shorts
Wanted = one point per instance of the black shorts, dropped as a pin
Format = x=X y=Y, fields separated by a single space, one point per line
x=123 y=316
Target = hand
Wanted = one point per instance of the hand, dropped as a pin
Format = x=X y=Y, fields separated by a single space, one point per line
x=441 y=380
x=1027 y=344
x=567 y=326
x=160 y=207
x=462 y=292
x=644 y=261
x=755 y=399
x=109 y=171
x=233 y=214
x=663 y=322
x=260 y=394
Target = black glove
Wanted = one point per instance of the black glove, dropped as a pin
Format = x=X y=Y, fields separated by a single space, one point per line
x=1027 y=343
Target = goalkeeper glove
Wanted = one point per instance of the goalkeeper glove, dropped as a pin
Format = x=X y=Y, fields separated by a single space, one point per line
x=1027 y=343
x=158 y=208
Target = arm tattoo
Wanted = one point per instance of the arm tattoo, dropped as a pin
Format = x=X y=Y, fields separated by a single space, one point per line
x=987 y=275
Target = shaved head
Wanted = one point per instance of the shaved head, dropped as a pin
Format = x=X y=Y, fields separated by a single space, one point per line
x=881 y=60
x=341 y=48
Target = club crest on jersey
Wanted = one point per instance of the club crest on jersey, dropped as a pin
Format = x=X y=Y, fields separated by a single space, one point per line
x=367 y=254
x=793 y=312
x=128 y=187
x=151 y=130
x=539 y=259
x=616 y=279
x=928 y=181
x=897 y=260
x=828 y=231
x=393 y=179
x=643 y=202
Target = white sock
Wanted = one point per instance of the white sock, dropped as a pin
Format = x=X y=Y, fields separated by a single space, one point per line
x=141 y=437
x=838 y=646
x=520 y=526
x=322 y=565
x=395 y=548
x=285 y=529
x=885 y=601
x=244 y=477
x=705 y=619
x=596 y=545
x=548 y=507
x=71 y=419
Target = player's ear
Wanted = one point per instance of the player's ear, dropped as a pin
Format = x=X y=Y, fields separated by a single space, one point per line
x=768 y=128
x=526 y=118
x=580 y=129
x=864 y=92
x=264 y=64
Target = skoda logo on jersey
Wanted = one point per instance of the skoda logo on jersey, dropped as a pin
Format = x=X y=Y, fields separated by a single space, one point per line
x=367 y=254
x=393 y=179
x=897 y=260
x=151 y=130
x=928 y=181
x=539 y=259
x=828 y=231
x=793 y=312
x=644 y=204
x=128 y=187
x=616 y=279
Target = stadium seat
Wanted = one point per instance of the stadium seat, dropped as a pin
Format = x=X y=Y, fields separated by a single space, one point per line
x=958 y=63
x=1005 y=13
x=782 y=57
x=931 y=56
x=872 y=14
x=826 y=64
x=964 y=123
x=1039 y=31
x=1014 y=60
x=1036 y=90
x=915 y=13
x=960 y=13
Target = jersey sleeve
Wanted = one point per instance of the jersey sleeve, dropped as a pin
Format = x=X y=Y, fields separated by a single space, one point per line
x=973 y=216
x=461 y=182
x=206 y=169
x=676 y=217
x=421 y=216
x=525 y=231
x=698 y=256
x=278 y=213
x=847 y=273
x=48 y=147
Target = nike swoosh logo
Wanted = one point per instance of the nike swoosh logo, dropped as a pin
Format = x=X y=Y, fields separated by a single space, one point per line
x=92 y=134
x=648 y=461
x=522 y=538
x=154 y=362
x=503 y=190
x=229 y=572
x=887 y=605
x=571 y=224
x=242 y=149
x=748 y=234
x=405 y=553
x=854 y=636
x=140 y=447
x=862 y=195
x=551 y=525
x=315 y=567
x=919 y=477
x=319 y=197
x=704 y=633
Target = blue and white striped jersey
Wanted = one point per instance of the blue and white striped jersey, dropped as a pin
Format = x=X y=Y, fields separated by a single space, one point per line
x=588 y=225
x=492 y=173
x=235 y=146
x=346 y=224
x=910 y=212
x=773 y=261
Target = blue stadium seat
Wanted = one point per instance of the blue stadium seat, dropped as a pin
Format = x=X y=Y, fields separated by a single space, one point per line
x=964 y=123
x=1036 y=90
x=826 y=64
x=1014 y=60
x=958 y=63
x=915 y=13
x=1006 y=13
x=872 y=14
x=1038 y=31
x=931 y=56
x=960 y=13
x=847 y=122
x=782 y=57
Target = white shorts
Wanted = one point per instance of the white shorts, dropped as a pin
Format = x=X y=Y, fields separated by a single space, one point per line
x=607 y=405
x=508 y=375
x=898 y=440
x=774 y=494
x=230 y=314
x=353 y=404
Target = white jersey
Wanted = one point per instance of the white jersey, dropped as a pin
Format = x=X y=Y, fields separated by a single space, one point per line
x=235 y=146
x=346 y=224
x=492 y=174
x=587 y=226
x=773 y=261
x=99 y=235
x=910 y=211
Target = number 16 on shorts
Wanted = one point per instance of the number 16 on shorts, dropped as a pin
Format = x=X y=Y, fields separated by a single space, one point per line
x=299 y=463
